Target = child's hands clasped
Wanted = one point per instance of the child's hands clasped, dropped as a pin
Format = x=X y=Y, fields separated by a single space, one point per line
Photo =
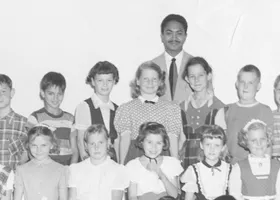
x=154 y=167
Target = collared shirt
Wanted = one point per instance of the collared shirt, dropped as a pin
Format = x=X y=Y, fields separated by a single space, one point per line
x=12 y=137
x=142 y=99
x=105 y=178
x=83 y=117
x=168 y=60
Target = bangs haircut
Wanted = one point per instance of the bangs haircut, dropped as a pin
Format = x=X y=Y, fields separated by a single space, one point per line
x=41 y=130
x=4 y=79
x=250 y=68
x=214 y=132
x=174 y=17
x=135 y=89
x=96 y=129
x=152 y=128
x=196 y=61
x=102 y=67
x=53 y=79
x=243 y=134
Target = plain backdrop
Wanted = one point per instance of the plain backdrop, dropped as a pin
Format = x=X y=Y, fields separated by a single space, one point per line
x=70 y=36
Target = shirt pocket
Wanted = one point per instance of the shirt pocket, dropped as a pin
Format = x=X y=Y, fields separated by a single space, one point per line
x=15 y=146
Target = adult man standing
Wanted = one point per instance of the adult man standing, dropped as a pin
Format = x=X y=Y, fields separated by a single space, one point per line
x=173 y=60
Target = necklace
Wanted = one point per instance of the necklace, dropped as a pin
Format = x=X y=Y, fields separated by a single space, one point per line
x=150 y=159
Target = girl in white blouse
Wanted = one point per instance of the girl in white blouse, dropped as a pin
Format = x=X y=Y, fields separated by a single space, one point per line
x=256 y=177
x=153 y=175
x=208 y=178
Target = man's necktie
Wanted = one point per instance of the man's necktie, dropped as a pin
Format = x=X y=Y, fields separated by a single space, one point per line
x=173 y=76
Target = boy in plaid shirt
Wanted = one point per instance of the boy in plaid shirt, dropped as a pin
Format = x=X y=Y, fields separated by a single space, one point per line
x=12 y=127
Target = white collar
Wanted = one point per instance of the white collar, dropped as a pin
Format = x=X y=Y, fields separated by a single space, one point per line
x=98 y=103
x=253 y=159
x=208 y=100
x=142 y=99
x=178 y=57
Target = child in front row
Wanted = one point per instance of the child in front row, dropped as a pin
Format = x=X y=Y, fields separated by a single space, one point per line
x=276 y=120
x=147 y=88
x=6 y=182
x=208 y=178
x=52 y=89
x=98 y=109
x=256 y=177
x=153 y=175
x=234 y=116
x=98 y=177
x=41 y=178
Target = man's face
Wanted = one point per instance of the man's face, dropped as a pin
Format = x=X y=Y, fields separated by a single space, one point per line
x=6 y=94
x=173 y=37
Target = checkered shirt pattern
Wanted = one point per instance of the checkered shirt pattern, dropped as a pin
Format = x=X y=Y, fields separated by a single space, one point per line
x=12 y=137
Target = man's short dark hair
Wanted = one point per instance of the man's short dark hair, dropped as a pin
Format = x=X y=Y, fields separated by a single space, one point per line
x=173 y=17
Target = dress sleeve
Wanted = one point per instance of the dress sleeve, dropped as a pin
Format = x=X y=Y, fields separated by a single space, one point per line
x=63 y=178
x=189 y=179
x=131 y=169
x=235 y=183
x=71 y=176
x=122 y=119
x=18 y=178
x=220 y=119
x=122 y=179
x=82 y=117
x=175 y=121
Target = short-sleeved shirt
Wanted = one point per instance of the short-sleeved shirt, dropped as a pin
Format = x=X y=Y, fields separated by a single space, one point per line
x=131 y=115
x=41 y=181
x=213 y=182
x=96 y=182
x=276 y=134
x=148 y=181
x=83 y=117
x=62 y=125
x=12 y=137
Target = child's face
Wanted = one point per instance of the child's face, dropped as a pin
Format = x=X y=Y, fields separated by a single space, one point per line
x=6 y=94
x=103 y=84
x=40 y=147
x=97 y=146
x=212 y=149
x=247 y=87
x=277 y=94
x=148 y=82
x=257 y=142
x=53 y=97
x=198 y=78
x=152 y=145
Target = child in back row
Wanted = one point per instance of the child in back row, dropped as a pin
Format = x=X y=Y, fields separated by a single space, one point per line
x=208 y=178
x=52 y=89
x=12 y=127
x=276 y=120
x=41 y=178
x=153 y=175
x=234 y=116
x=98 y=109
x=257 y=176
x=98 y=177
x=200 y=108
x=147 y=87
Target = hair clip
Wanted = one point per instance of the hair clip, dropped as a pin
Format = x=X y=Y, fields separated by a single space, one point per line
x=252 y=122
x=47 y=126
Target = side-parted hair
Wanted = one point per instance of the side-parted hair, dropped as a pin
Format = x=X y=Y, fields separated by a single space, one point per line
x=250 y=68
x=174 y=17
x=102 y=67
x=4 y=79
x=214 y=132
x=53 y=79
x=152 y=128
x=96 y=129
x=41 y=130
x=277 y=80
x=251 y=126
x=135 y=89
x=225 y=197
x=167 y=198
x=196 y=61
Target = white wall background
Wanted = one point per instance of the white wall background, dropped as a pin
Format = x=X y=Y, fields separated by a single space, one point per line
x=70 y=36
